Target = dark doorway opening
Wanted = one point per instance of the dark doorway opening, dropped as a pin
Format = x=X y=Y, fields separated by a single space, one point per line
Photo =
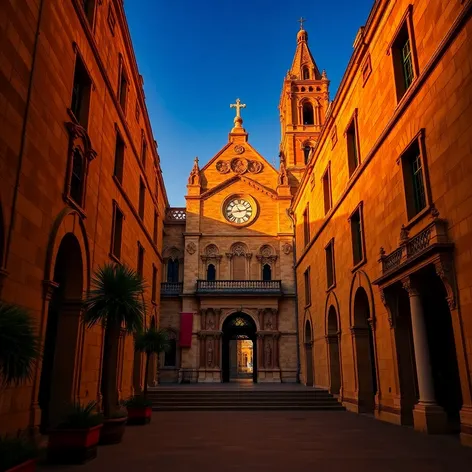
x=442 y=347
x=308 y=354
x=333 y=351
x=59 y=369
x=237 y=327
x=365 y=353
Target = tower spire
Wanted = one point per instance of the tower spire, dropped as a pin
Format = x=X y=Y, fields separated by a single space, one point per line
x=301 y=21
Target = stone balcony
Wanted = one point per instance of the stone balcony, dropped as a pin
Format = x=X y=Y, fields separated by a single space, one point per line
x=239 y=287
x=171 y=289
x=430 y=240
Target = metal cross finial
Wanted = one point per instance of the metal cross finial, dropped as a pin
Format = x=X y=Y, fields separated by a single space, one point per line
x=301 y=21
x=238 y=105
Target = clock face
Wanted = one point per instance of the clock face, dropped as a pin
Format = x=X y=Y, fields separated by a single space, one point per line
x=238 y=211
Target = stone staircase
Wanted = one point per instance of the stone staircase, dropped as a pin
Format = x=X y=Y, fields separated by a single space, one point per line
x=185 y=398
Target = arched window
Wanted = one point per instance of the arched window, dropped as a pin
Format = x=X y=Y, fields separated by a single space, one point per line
x=173 y=270
x=77 y=178
x=266 y=272
x=308 y=115
x=211 y=272
x=306 y=73
x=306 y=152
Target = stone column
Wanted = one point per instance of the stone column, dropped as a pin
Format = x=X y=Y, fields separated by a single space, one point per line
x=428 y=416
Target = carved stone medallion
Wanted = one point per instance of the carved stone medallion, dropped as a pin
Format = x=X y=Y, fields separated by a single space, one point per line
x=239 y=165
x=191 y=248
x=238 y=149
x=222 y=167
x=255 y=167
x=287 y=248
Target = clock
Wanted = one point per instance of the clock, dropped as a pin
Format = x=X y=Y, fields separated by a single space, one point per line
x=238 y=211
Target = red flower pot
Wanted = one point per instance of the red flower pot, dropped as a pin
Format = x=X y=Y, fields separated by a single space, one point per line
x=28 y=466
x=139 y=415
x=112 y=431
x=73 y=446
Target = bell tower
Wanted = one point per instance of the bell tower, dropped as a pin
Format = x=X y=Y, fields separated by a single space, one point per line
x=303 y=105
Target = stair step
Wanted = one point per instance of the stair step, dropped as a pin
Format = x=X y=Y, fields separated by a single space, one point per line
x=337 y=407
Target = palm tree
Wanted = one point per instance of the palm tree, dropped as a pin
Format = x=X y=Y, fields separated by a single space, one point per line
x=151 y=341
x=19 y=345
x=116 y=301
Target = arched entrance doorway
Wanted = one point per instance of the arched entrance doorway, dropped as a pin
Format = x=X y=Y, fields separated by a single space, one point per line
x=333 y=351
x=58 y=384
x=239 y=338
x=365 y=353
x=308 y=354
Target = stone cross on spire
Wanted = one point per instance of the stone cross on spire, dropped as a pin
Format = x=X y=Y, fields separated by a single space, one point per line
x=301 y=21
x=238 y=105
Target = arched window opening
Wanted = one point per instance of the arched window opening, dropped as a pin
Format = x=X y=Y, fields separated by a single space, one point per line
x=306 y=152
x=173 y=270
x=77 y=177
x=308 y=115
x=303 y=89
x=211 y=272
x=267 y=272
x=306 y=73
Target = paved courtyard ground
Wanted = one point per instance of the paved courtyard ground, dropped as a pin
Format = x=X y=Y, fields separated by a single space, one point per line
x=277 y=441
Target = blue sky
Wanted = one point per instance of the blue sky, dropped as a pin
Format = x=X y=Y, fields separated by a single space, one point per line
x=197 y=57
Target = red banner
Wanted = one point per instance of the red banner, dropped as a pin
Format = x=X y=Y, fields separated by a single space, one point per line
x=186 y=324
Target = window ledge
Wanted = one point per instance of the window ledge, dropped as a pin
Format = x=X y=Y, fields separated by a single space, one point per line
x=114 y=258
x=71 y=202
x=409 y=91
x=359 y=264
x=418 y=217
x=331 y=287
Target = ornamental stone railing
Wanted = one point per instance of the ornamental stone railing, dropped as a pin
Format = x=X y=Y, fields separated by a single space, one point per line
x=247 y=287
x=171 y=289
x=435 y=234
x=175 y=214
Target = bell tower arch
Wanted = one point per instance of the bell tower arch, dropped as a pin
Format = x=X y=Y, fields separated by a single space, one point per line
x=303 y=106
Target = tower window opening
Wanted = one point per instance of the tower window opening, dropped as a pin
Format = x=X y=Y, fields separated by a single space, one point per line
x=211 y=272
x=306 y=73
x=306 y=152
x=267 y=272
x=303 y=89
x=308 y=115
x=310 y=89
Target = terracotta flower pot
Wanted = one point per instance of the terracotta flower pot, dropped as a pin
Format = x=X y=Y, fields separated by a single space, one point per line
x=28 y=466
x=112 y=431
x=73 y=446
x=139 y=415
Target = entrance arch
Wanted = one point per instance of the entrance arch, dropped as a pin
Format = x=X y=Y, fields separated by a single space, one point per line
x=237 y=328
x=309 y=354
x=333 y=351
x=60 y=366
x=365 y=352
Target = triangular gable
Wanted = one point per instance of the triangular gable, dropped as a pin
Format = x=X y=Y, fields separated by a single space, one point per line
x=235 y=178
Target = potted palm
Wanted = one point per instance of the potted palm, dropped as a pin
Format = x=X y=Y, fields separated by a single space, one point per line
x=151 y=341
x=115 y=301
x=19 y=351
x=75 y=440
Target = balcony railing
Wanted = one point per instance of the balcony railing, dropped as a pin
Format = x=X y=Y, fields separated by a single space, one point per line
x=432 y=236
x=171 y=289
x=246 y=287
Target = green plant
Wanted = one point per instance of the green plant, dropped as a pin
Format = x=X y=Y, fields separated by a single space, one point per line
x=19 y=344
x=82 y=416
x=137 y=401
x=15 y=451
x=116 y=301
x=151 y=341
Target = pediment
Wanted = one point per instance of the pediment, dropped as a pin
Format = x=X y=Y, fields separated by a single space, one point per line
x=239 y=178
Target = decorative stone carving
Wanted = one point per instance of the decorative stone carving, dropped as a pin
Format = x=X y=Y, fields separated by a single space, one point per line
x=404 y=235
x=191 y=248
x=239 y=249
x=254 y=167
x=223 y=167
x=287 y=248
x=266 y=255
x=445 y=271
x=194 y=178
x=268 y=354
x=239 y=165
x=283 y=176
x=211 y=250
x=410 y=287
x=238 y=149
x=210 y=353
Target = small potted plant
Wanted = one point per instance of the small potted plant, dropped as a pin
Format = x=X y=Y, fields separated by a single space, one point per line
x=75 y=440
x=19 y=351
x=17 y=455
x=115 y=302
x=151 y=341
x=139 y=410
